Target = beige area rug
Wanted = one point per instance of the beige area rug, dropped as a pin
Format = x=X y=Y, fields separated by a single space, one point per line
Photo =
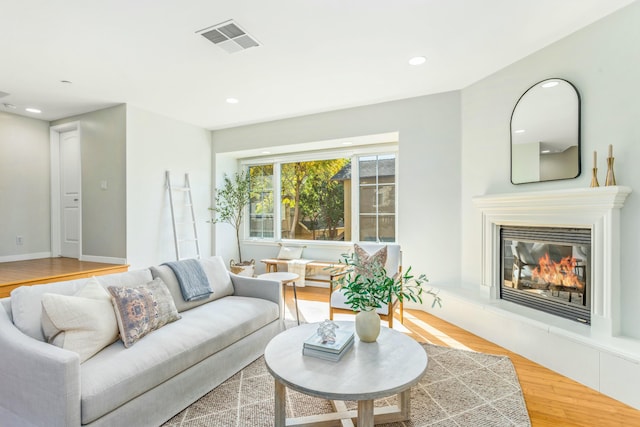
x=460 y=388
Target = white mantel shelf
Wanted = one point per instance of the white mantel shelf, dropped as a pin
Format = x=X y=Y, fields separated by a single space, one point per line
x=612 y=197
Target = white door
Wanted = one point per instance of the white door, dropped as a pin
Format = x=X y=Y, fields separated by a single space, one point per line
x=70 y=175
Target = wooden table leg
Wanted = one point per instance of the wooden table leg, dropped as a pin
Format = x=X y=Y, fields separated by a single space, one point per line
x=404 y=403
x=365 y=413
x=280 y=408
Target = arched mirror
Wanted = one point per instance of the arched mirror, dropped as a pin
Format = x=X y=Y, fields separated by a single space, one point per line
x=545 y=133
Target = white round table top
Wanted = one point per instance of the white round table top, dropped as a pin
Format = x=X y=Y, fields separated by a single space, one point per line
x=281 y=276
x=368 y=371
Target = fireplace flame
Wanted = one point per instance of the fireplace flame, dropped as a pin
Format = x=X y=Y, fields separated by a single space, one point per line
x=558 y=273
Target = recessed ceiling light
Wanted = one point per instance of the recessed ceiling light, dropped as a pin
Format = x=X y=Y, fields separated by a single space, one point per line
x=417 y=60
x=33 y=110
x=519 y=131
x=550 y=84
x=232 y=100
x=266 y=152
x=545 y=151
x=347 y=143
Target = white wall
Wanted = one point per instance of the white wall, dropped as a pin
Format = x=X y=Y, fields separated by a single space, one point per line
x=156 y=144
x=24 y=187
x=429 y=172
x=602 y=62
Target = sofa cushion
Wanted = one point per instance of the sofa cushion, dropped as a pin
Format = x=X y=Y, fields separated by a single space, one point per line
x=26 y=301
x=116 y=375
x=84 y=323
x=142 y=309
x=216 y=272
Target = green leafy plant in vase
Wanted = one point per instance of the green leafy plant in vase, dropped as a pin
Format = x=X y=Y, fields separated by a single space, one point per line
x=367 y=287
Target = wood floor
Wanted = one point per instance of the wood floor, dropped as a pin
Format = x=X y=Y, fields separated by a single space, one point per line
x=552 y=399
x=48 y=270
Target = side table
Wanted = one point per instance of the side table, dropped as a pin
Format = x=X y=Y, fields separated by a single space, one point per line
x=285 y=278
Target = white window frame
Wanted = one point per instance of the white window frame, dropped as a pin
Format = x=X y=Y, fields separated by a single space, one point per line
x=354 y=154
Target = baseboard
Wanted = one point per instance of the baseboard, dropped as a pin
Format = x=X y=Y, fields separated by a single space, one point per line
x=25 y=257
x=103 y=259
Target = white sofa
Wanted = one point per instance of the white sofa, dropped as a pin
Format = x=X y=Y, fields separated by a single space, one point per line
x=152 y=380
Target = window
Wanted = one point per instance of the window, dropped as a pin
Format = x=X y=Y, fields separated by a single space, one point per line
x=312 y=201
x=377 y=198
x=335 y=198
x=261 y=207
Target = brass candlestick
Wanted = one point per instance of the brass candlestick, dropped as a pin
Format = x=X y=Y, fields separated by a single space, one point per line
x=611 y=178
x=594 y=178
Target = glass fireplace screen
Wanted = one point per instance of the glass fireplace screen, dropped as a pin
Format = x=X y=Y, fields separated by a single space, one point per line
x=547 y=269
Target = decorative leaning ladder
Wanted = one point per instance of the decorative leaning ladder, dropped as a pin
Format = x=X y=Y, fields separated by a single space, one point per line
x=188 y=203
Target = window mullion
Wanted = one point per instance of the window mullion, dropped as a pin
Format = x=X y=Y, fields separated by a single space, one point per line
x=355 y=198
x=277 y=202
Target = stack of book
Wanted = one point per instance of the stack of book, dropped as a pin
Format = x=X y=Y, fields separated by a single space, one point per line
x=315 y=347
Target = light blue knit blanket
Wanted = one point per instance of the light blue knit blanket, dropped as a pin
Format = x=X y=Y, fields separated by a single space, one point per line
x=193 y=281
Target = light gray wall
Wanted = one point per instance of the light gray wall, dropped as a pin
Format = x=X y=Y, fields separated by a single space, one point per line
x=602 y=61
x=24 y=187
x=156 y=144
x=429 y=170
x=103 y=144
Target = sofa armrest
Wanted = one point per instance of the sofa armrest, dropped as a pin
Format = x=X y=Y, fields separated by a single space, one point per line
x=258 y=288
x=40 y=382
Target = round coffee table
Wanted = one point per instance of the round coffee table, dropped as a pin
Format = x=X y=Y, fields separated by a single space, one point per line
x=369 y=371
x=285 y=278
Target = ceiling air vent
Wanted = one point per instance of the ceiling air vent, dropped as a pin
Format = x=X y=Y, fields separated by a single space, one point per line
x=229 y=36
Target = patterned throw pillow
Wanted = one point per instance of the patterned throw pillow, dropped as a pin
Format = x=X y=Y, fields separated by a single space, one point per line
x=368 y=262
x=142 y=309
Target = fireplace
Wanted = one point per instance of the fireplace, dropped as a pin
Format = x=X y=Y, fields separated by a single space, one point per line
x=594 y=209
x=548 y=269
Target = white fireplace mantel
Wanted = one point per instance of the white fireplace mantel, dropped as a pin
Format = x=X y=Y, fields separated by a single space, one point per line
x=597 y=209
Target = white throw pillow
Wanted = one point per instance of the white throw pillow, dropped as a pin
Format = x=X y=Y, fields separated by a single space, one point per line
x=84 y=322
x=290 y=252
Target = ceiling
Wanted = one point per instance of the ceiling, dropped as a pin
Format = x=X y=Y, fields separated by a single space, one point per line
x=314 y=56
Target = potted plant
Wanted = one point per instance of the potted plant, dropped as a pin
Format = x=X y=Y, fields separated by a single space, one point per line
x=368 y=287
x=230 y=203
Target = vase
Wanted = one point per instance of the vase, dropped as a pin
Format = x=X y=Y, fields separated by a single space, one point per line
x=244 y=268
x=368 y=325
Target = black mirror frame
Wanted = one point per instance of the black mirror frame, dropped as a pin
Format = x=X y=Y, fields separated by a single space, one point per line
x=579 y=133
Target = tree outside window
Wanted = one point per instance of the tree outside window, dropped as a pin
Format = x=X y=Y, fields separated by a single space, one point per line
x=312 y=203
x=316 y=199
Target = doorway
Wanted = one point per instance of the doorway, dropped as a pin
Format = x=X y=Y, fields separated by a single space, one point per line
x=66 y=191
